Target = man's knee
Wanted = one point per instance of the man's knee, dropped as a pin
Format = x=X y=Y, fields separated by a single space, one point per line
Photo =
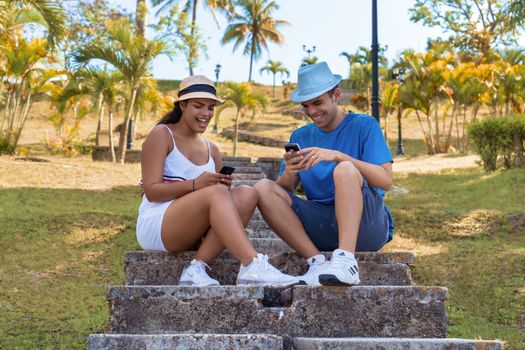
x=264 y=186
x=346 y=171
x=245 y=196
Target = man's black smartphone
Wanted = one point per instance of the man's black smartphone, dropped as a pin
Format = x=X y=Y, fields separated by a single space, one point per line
x=292 y=147
x=226 y=170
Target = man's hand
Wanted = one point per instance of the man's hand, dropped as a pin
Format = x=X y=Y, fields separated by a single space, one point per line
x=311 y=156
x=291 y=162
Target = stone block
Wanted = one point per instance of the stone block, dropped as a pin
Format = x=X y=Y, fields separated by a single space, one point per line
x=156 y=268
x=362 y=311
x=394 y=344
x=184 y=341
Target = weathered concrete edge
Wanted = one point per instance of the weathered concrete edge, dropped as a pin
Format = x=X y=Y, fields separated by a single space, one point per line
x=184 y=292
x=424 y=293
x=300 y=343
x=193 y=341
x=381 y=257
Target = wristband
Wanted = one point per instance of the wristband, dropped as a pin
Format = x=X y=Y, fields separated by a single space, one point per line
x=193 y=184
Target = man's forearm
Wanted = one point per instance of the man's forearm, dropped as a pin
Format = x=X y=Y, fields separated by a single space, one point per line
x=287 y=182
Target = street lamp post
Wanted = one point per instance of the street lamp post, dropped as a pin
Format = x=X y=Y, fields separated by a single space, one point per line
x=399 y=74
x=217 y=71
x=375 y=63
x=309 y=51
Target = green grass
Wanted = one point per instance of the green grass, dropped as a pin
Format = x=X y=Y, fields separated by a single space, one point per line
x=60 y=248
x=461 y=217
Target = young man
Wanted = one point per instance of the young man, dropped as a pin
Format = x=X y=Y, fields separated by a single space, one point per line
x=344 y=166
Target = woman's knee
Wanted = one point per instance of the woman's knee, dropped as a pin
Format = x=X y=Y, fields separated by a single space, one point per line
x=347 y=171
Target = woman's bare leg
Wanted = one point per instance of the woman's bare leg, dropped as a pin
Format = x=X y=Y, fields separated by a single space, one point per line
x=188 y=217
x=245 y=200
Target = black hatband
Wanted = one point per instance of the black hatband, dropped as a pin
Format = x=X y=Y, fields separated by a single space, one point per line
x=198 y=88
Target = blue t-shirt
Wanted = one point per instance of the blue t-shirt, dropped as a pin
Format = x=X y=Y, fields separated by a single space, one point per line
x=358 y=135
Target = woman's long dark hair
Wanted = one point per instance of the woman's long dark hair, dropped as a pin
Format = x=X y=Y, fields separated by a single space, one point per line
x=173 y=116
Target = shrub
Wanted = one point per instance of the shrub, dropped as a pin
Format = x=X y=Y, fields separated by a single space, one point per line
x=499 y=141
x=5 y=147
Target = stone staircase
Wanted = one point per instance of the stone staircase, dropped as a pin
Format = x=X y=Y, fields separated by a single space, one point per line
x=387 y=311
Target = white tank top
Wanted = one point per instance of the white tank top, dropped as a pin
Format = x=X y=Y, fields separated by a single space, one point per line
x=179 y=168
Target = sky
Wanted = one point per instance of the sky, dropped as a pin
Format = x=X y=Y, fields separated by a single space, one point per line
x=332 y=26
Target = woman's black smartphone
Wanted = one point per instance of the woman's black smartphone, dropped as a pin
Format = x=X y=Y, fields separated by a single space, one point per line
x=226 y=170
x=292 y=147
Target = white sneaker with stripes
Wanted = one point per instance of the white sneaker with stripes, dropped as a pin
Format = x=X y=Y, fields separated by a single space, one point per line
x=341 y=271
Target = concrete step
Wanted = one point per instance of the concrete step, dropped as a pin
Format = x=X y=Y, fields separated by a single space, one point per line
x=394 y=344
x=236 y=183
x=248 y=170
x=363 y=311
x=261 y=233
x=238 y=161
x=184 y=341
x=157 y=268
x=238 y=177
x=257 y=225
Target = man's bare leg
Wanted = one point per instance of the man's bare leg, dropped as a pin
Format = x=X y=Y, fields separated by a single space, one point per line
x=275 y=206
x=348 y=204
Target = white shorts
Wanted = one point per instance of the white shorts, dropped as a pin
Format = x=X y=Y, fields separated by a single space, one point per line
x=149 y=225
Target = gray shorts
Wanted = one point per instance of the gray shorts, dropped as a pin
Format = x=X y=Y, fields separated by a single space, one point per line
x=320 y=223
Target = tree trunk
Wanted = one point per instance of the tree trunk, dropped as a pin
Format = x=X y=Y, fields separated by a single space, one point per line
x=386 y=127
x=236 y=136
x=140 y=17
x=100 y=110
x=192 y=34
x=22 y=120
x=437 y=141
x=110 y=126
x=431 y=143
x=274 y=86
x=251 y=61
x=124 y=129
x=5 y=122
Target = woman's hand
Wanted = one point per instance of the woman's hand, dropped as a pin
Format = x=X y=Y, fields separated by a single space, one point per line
x=209 y=179
x=311 y=156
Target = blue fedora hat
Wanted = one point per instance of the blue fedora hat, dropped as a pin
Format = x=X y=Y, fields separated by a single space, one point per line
x=313 y=81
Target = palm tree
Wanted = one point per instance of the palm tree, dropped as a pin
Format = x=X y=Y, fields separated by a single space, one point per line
x=240 y=95
x=25 y=77
x=255 y=27
x=388 y=102
x=225 y=6
x=275 y=67
x=309 y=60
x=132 y=56
x=46 y=12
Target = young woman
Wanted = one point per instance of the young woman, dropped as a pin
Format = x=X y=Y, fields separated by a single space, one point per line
x=187 y=202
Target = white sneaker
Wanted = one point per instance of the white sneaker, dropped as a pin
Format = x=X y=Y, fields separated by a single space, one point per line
x=341 y=271
x=261 y=272
x=317 y=265
x=195 y=275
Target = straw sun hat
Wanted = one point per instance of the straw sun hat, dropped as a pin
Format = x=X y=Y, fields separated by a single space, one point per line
x=197 y=86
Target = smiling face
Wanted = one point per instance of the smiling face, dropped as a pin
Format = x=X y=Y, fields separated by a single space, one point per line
x=197 y=113
x=323 y=110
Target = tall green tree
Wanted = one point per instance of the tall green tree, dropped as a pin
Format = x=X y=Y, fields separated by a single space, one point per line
x=242 y=97
x=132 y=56
x=190 y=6
x=48 y=13
x=254 y=26
x=275 y=67
x=475 y=25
